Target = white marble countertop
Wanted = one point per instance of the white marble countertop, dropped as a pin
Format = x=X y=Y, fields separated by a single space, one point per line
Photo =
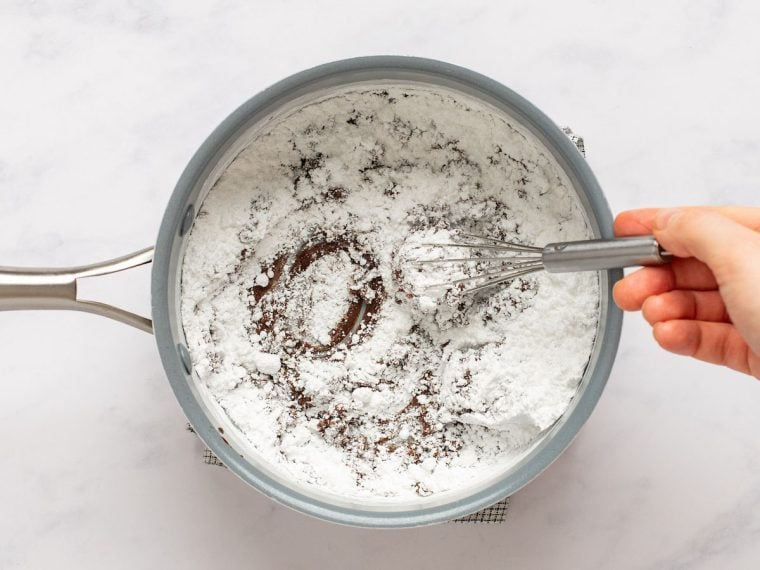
x=101 y=107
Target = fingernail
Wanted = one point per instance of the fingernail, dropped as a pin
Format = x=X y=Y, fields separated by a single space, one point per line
x=664 y=217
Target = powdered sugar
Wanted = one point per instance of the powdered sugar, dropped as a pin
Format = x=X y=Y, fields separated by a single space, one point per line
x=333 y=358
x=320 y=297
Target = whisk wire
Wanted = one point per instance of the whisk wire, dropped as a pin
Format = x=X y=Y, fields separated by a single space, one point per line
x=503 y=260
x=510 y=277
x=520 y=246
x=498 y=247
x=490 y=275
x=522 y=260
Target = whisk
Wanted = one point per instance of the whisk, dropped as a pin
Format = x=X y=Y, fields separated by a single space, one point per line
x=507 y=261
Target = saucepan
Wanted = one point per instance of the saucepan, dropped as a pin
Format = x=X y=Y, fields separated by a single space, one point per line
x=27 y=288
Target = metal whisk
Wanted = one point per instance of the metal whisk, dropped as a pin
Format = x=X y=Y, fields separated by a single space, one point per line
x=511 y=260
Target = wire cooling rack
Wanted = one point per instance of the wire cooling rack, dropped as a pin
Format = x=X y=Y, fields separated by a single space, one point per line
x=496 y=513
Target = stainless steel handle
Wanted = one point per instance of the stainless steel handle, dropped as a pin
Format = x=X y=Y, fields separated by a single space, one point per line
x=590 y=255
x=56 y=288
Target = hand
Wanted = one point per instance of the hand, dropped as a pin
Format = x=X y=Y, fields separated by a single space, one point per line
x=706 y=303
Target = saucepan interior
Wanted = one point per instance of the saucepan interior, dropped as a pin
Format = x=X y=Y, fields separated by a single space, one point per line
x=199 y=177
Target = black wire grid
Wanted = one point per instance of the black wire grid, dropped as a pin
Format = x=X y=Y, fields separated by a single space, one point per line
x=496 y=513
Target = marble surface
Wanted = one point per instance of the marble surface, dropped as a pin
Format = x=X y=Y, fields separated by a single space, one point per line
x=101 y=106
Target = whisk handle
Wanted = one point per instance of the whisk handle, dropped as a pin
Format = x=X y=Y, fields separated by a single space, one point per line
x=591 y=255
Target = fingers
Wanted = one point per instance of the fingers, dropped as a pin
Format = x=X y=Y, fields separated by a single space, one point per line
x=719 y=249
x=631 y=292
x=641 y=221
x=718 y=241
x=676 y=305
x=730 y=250
x=727 y=240
x=635 y=222
x=717 y=343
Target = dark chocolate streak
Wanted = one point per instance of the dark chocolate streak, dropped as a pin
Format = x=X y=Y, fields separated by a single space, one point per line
x=360 y=315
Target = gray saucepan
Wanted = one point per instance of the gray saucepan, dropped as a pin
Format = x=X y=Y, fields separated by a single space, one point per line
x=25 y=288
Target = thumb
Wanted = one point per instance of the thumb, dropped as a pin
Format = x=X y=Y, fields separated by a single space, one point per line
x=724 y=245
x=729 y=249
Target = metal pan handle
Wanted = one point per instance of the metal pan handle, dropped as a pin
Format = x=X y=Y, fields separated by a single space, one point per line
x=56 y=288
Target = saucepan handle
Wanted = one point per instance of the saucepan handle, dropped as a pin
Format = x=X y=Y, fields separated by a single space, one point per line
x=56 y=288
